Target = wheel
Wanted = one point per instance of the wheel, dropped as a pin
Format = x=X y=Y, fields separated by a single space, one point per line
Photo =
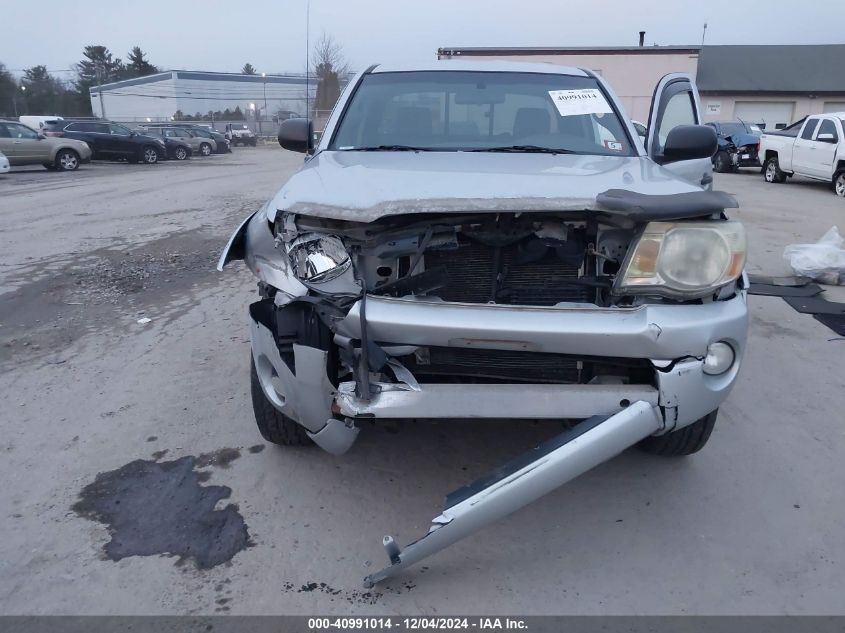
x=772 y=172
x=685 y=441
x=254 y=142
x=839 y=183
x=721 y=162
x=205 y=149
x=273 y=426
x=150 y=155
x=181 y=153
x=67 y=160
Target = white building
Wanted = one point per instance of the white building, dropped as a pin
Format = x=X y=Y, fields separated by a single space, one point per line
x=771 y=85
x=159 y=97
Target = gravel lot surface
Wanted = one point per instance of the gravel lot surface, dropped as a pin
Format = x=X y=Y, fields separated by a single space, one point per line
x=752 y=524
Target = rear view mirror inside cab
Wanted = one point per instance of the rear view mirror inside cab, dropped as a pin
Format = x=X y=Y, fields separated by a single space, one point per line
x=483 y=94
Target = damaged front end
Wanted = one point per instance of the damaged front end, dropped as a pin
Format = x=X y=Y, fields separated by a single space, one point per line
x=578 y=316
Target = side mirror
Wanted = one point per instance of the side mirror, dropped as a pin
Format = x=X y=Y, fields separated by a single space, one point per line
x=133 y=133
x=295 y=135
x=689 y=142
x=826 y=137
x=41 y=137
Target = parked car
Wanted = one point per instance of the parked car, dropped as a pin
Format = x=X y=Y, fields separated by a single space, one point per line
x=36 y=122
x=110 y=141
x=200 y=145
x=24 y=146
x=221 y=143
x=239 y=133
x=813 y=149
x=4 y=164
x=523 y=261
x=176 y=148
x=739 y=143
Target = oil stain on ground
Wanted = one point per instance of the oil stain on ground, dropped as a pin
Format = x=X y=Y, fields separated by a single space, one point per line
x=153 y=508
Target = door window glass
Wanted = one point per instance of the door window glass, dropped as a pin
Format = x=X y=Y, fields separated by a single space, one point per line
x=807 y=134
x=679 y=111
x=118 y=130
x=4 y=132
x=21 y=131
x=828 y=127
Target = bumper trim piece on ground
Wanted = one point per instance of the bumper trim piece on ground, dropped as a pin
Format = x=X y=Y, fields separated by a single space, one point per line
x=524 y=480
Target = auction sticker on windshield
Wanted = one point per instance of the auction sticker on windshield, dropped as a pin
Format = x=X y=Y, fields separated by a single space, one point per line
x=583 y=101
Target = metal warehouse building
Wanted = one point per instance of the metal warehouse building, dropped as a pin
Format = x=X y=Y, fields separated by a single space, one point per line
x=158 y=97
x=771 y=85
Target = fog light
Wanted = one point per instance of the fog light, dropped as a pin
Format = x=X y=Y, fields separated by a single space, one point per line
x=720 y=358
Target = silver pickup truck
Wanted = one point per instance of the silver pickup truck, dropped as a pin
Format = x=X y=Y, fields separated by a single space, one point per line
x=494 y=240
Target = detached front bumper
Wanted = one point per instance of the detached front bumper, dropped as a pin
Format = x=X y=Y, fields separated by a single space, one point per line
x=674 y=339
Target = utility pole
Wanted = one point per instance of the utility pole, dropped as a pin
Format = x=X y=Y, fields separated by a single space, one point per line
x=100 y=92
x=307 y=59
x=264 y=84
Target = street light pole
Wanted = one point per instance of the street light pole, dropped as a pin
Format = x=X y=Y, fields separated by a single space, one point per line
x=264 y=77
x=23 y=90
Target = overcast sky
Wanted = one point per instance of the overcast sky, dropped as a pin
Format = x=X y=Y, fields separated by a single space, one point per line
x=270 y=34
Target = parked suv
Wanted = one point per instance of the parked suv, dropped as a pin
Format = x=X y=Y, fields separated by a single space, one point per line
x=222 y=144
x=110 y=141
x=240 y=133
x=176 y=148
x=200 y=145
x=487 y=240
x=24 y=146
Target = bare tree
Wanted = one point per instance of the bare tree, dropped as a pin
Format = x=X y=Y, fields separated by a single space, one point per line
x=329 y=66
x=327 y=56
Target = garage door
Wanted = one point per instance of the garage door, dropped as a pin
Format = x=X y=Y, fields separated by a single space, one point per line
x=834 y=106
x=774 y=114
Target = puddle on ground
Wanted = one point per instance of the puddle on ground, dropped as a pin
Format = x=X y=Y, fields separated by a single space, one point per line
x=152 y=508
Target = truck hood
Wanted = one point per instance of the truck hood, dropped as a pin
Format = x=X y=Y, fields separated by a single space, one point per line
x=366 y=186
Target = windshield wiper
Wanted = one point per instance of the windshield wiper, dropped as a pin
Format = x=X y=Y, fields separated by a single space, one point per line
x=390 y=148
x=525 y=149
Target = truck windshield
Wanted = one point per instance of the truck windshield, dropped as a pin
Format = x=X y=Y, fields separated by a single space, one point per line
x=481 y=111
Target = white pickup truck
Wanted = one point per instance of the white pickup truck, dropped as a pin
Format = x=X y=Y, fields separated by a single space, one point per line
x=812 y=148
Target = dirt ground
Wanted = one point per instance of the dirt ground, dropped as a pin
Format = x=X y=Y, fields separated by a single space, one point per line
x=752 y=524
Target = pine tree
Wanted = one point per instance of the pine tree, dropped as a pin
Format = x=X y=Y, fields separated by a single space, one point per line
x=137 y=64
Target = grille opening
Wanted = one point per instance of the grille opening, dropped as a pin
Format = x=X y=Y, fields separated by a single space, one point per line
x=525 y=273
x=437 y=365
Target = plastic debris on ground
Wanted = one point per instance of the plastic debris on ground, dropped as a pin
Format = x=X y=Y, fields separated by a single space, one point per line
x=823 y=261
x=144 y=320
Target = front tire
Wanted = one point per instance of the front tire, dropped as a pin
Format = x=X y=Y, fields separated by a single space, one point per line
x=273 y=425
x=839 y=183
x=149 y=155
x=67 y=160
x=181 y=153
x=772 y=172
x=685 y=441
x=205 y=149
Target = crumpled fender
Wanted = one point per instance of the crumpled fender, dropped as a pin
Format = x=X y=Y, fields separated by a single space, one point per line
x=254 y=243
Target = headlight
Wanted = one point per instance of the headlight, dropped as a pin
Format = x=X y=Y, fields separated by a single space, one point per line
x=318 y=258
x=684 y=259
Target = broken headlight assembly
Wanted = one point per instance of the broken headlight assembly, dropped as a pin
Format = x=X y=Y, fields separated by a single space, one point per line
x=317 y=258
x=684 y=260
